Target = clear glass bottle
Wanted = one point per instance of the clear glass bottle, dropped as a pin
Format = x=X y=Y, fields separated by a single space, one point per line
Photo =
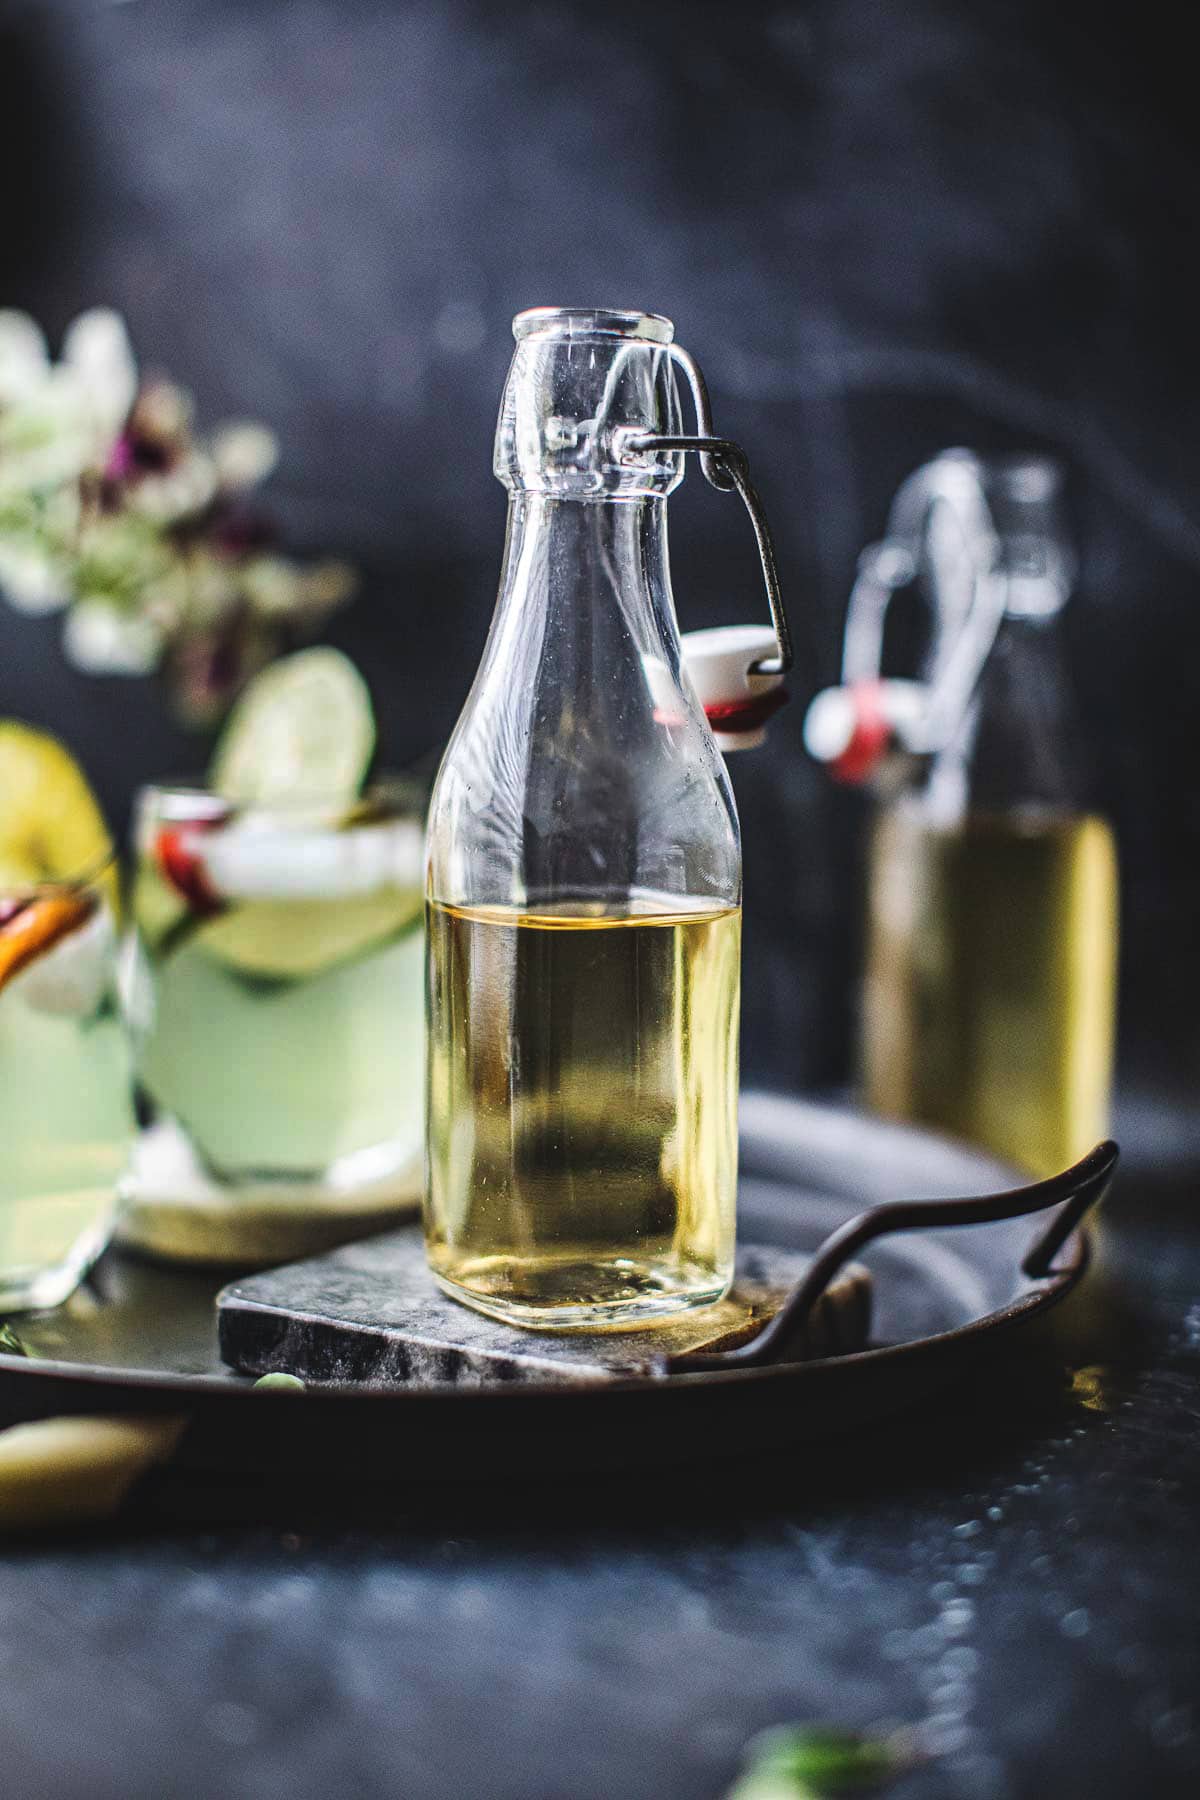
x=584 y=879
x=992 y=903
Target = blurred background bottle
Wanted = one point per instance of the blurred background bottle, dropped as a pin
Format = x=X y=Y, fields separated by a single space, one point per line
x=991 y=941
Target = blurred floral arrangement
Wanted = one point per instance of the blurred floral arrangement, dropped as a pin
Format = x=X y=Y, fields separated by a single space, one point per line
x=145 y=534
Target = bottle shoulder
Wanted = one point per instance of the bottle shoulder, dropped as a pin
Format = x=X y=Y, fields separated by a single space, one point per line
x=519 y=808
x=583 y=762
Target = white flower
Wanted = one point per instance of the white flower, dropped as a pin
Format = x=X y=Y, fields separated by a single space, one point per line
x=212 y=593
x=164 y=412
x=272 y=585
x=178 y=493
x=166 y=599
x=102 y=639
x=45 y=440
x=31 y=578
x=62 y=418
x=244 y=453
x=277 y=588
x=97 y=361
x=24 y=363
x=118 y=556
x=97 y=475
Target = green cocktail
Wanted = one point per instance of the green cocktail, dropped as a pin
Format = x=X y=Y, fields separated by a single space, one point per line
x=274 y=995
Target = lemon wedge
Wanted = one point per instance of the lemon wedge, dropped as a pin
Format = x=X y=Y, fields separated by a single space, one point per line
x=51 y=827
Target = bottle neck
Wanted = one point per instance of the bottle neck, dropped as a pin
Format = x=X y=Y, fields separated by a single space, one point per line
x=1020 y=746
x=593 y=577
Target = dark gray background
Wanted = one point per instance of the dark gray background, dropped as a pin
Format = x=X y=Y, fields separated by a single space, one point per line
x=881 y=228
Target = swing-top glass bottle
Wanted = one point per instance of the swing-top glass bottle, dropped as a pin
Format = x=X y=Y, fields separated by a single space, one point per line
x=584 y=878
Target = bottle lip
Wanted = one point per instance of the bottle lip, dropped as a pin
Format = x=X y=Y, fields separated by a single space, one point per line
x=592 y=322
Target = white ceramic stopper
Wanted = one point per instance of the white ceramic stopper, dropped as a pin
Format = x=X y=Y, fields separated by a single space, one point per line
x=719 y=663
x=853 y=729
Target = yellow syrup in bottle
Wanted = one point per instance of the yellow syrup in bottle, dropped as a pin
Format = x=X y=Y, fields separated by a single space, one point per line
x=991 y=952
x=582 y=1117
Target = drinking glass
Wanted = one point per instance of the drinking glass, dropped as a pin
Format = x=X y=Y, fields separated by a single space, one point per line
x=273 y=992
x=65 y=1118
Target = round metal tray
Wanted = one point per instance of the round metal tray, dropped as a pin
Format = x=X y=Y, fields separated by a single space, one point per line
x=141 y=1338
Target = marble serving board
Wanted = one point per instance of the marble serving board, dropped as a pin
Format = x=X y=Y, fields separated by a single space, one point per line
x=371 y=1313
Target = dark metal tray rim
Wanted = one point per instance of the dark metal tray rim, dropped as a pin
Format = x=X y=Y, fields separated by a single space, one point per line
x=233 y=1385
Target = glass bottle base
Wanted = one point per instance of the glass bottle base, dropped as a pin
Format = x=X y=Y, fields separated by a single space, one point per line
x=574 y=1294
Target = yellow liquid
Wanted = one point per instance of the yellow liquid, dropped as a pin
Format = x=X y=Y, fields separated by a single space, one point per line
x=582 y=1109
x=990 y=993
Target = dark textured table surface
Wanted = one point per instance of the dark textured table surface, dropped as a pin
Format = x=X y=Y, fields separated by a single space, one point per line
x=1013 y=1574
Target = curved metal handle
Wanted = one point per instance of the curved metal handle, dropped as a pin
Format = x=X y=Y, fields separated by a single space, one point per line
x=728 y=459
x=965 y=631
x=1073 y=1191
x=714 y=472
x=725 y=467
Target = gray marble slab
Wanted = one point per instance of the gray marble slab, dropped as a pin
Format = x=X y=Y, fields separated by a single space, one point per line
x=371 y=1312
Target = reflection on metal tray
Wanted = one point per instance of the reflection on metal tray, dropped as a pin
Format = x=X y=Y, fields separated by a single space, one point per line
x=143 y=1338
